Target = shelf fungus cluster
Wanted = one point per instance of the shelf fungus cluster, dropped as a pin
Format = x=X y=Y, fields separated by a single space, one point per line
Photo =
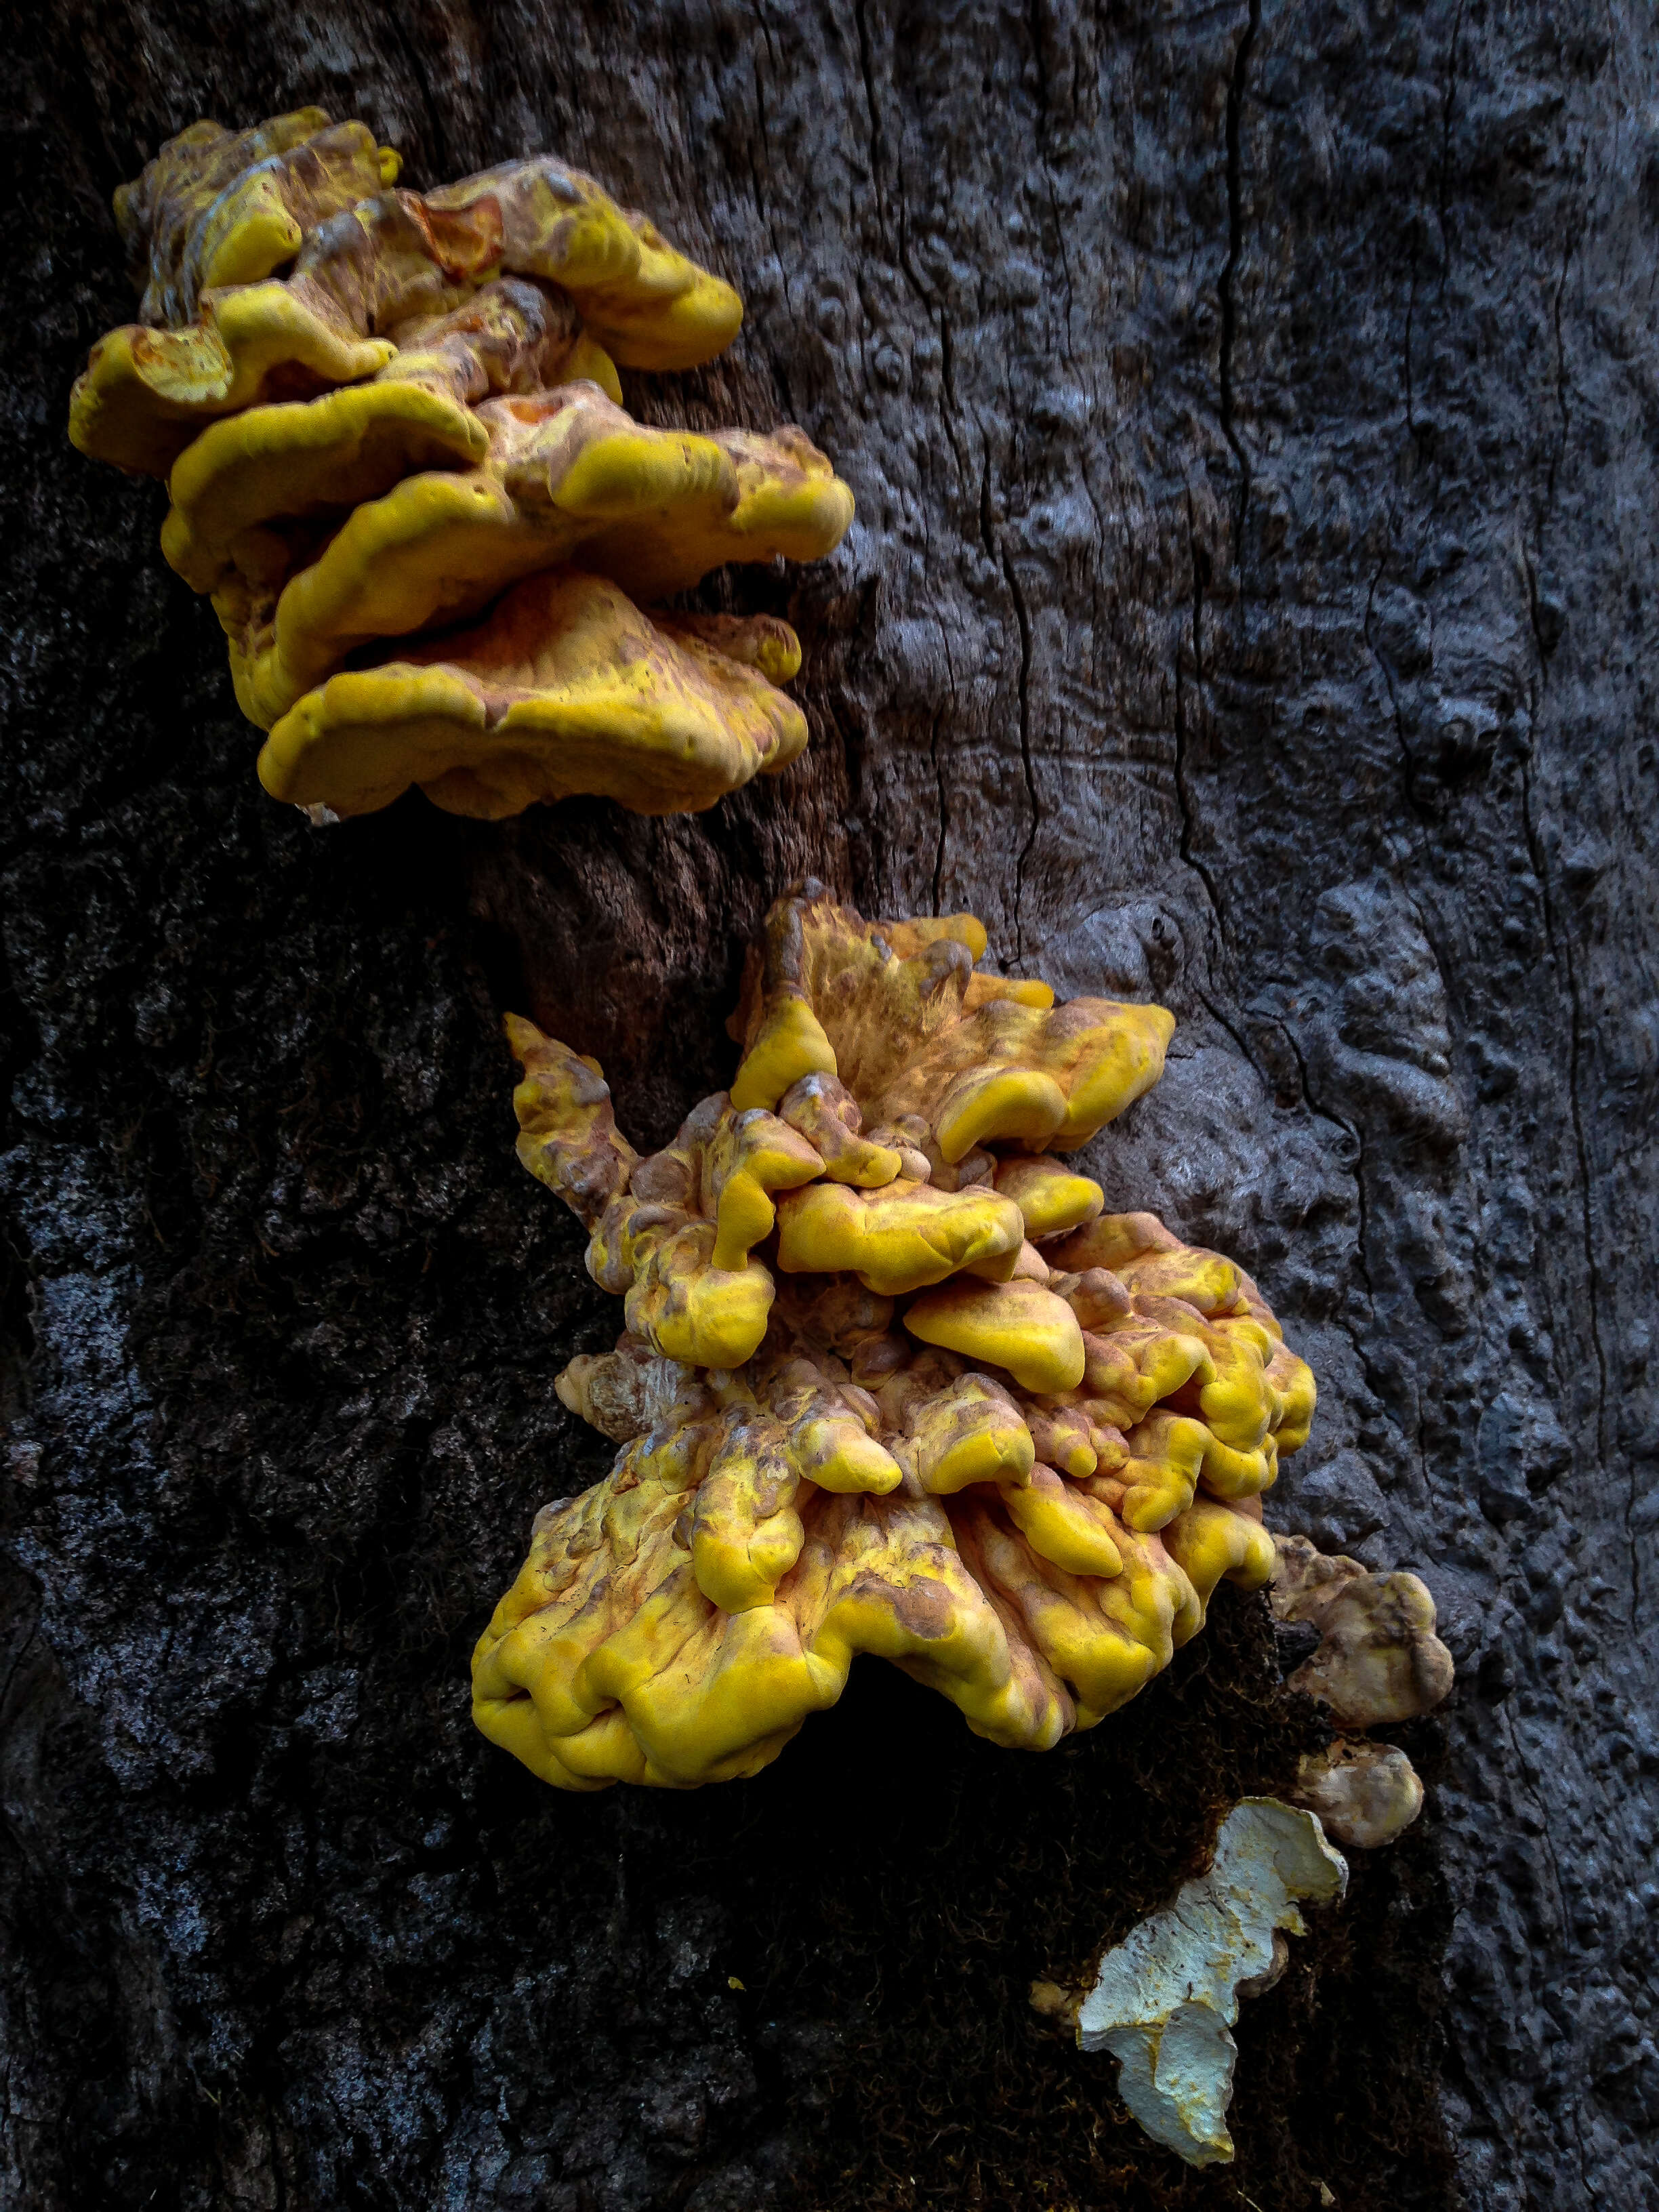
x=891 y=1382
x=392 y=428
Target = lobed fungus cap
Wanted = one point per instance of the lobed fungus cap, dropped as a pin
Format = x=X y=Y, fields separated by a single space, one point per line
x=413 y=418
x=647 y=304
x=565 y=687
x=569 y=479
x=675 y=1235
x=219 y=207
x=567 y=1134
x=900 y=1237
x=1050 y=1200
x=145 y=393
x=217 y=213
x=677 y=1624
x=851 y=1211
x=238 y=488
x=297 y=459
x=1019 y=1326
x=977 y=1059
x=1158 y=1365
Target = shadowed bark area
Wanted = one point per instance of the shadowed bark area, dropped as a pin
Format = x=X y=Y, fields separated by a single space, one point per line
x=1252 y=414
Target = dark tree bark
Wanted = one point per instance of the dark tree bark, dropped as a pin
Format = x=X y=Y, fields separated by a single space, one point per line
x=1252 y=414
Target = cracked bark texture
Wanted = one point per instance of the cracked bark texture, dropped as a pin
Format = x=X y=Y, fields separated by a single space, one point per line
x=1252 y=413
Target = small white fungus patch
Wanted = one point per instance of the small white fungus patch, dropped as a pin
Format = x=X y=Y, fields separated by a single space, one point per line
x=1165 y=1999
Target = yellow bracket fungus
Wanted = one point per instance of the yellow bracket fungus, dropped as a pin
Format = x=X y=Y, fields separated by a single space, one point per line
x=911 y=1030
x=900 y=1237
x=648 y=305
x=565 y=686
x=675 y=1230
x=379 y=412
x=1050 y=1200
x=229 y=207
x=1019 y=1326
x=893 y=1381
x=873 y=1398
x=827 y=1115
x=961 y=1429
x=569 y=479
x=237 y=485
x=146 y=393
x=217 y=213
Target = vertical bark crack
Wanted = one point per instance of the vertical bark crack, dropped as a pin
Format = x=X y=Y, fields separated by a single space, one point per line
x=1444 y=203
x=1183 y=802
x=940 y=784
x=1561 y=952
x=1559 y=454
x=1396 y=712
x=1235 y=247
x=1022 y=615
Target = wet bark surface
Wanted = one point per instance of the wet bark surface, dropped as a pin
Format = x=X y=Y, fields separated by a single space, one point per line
x=1252 y=414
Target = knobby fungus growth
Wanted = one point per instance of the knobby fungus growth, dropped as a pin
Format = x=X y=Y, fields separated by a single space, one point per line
x=891 y=1382
x=1376 y=1660
x=392 y=428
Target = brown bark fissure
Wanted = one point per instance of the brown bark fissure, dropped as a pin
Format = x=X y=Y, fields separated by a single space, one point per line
x=1236 y=94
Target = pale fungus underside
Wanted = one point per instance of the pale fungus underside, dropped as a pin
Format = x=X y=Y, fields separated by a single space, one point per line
x=892 y=1382
x=397 y=457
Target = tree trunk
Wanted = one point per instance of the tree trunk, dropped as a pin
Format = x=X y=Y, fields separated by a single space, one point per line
x=1251 y=411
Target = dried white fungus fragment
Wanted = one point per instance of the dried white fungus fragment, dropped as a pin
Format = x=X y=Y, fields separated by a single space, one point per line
x=1165 y=2001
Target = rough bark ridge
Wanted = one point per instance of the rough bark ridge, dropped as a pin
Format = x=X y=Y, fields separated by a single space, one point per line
x=1251 y=411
